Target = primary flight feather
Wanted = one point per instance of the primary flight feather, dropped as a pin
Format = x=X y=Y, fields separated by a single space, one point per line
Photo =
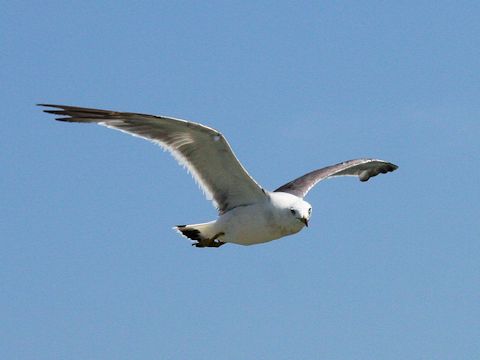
x=248 y=214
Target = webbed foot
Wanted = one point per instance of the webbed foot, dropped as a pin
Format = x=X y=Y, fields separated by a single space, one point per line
x=213 y=242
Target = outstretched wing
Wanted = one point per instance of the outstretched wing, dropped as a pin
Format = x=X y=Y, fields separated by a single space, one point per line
x=202 y=150
x=363 y=168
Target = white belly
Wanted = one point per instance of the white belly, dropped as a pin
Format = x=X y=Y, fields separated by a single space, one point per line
x=248 y=225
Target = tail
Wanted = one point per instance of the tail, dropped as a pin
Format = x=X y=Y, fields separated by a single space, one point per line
x=198 y=232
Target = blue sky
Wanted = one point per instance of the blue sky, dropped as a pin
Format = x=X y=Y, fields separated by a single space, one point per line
x=389 y=269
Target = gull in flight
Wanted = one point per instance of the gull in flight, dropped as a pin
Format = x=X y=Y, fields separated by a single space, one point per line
x=248 y=214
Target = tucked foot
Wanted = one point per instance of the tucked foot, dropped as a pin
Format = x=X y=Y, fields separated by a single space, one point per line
x=213 y=242
x=210 y=244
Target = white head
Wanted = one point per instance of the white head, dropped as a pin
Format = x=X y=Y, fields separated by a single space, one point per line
x=292 y=207
x=301 y=210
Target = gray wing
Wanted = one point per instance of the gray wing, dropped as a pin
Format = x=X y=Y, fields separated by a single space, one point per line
x=202 y=150
x=363 y=168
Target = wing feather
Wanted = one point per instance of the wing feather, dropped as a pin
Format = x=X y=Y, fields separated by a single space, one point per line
x=363 y=168
x=202 y=150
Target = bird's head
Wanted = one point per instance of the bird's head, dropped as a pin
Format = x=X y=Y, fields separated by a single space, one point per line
x=301 y=210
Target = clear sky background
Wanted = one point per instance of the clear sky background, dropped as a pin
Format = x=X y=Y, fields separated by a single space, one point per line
x=390 y=269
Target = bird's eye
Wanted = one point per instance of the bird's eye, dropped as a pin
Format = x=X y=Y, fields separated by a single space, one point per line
x=292 y=211
x=309 y=211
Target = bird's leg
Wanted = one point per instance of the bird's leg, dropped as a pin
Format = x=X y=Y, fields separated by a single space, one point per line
x=210 y=242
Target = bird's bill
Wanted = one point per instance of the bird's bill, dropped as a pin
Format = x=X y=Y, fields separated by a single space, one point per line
x=305 y=221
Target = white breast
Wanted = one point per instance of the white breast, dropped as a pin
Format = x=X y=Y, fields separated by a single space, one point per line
x=258 y=223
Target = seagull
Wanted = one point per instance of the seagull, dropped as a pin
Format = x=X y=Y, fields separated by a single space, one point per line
x=248 y=214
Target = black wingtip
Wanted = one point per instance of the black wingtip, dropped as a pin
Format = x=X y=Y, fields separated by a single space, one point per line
x=365 y=175
x=54 y=112
x=49 y=105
